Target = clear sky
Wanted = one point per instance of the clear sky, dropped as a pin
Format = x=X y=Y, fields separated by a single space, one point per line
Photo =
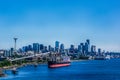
x=68 y=21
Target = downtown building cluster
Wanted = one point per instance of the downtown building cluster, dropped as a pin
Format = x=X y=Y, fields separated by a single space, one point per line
x=83 y=49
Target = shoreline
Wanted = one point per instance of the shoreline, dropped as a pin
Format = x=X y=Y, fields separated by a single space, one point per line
x=18 y=66
x=25 y=64
x=33 y=63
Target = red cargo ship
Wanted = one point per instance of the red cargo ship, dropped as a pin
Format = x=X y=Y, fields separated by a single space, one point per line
x=59 y=61
x=52 y=64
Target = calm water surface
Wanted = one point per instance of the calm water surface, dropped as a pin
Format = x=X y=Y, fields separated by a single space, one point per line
x=80 y=70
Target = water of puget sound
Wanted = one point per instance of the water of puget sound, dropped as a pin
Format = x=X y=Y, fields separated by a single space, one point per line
x=78 y=70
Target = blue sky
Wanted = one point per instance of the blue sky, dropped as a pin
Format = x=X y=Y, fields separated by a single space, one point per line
x=68 y=21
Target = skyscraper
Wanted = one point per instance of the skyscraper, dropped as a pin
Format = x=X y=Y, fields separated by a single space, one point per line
x=49 y=48
x=45 y=49
x=86 y=48
x=26 y=48
x=88 y=42
x=36 y=47
x=99 y=51
x=62 y=48
x=93 y=49
x=11 y=51
x=41 y=46
x=79 y=48
x=30 y=48
x=82 y=48
x=20 y=50
x=72 y=50
x=23 y=49
x=57 y=46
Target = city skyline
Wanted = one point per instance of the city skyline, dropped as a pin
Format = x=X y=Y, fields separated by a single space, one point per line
x=70 y=22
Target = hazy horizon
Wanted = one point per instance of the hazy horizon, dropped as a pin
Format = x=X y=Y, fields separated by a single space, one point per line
x=67 y=21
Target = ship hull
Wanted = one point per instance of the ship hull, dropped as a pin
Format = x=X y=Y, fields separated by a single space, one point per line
x=52 y=64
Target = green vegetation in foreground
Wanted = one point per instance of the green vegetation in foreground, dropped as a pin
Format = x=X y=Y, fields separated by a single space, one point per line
x=5 y=63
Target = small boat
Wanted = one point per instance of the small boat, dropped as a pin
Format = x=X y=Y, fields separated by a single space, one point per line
x=90 y=58
x=14 y=71
x=107 y=57
x=35 y=65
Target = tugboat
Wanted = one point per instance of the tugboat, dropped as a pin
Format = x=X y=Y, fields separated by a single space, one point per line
x=57 y=60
